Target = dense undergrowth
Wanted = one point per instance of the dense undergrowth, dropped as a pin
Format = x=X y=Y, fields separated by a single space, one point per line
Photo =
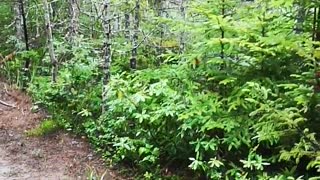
x=247 y=110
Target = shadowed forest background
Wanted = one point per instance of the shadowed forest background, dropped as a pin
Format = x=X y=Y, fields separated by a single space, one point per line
x=170 y=89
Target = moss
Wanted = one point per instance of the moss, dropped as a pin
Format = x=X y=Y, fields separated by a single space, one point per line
x=46 y=127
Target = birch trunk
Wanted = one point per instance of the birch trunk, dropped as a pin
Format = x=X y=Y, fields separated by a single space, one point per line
x=53 y=59
x=21 y=25
x=18 y=24
x=134 y=52
x=117 y=23
x=74 y=20
x=107 y=56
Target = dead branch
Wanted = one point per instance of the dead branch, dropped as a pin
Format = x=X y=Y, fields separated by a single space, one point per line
x=7 y=104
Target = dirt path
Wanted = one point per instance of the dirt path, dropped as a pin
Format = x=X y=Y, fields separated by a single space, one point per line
x=59 y=156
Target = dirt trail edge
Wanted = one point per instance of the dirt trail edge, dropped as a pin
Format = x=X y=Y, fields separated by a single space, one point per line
x=59 y=156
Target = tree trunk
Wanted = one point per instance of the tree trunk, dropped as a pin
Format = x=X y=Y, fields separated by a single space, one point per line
x=117 y=23
x=134 y=52
x=182 y=35
x=93 y=12
x=74 y=20
x=127 y=23
x=21 y=29
x=53 y=59
x=314 y=26
x=25 y=32
x=127 y=30
x=160 y=13
x=22 y=36
x=300 y=17
x=317 y=34
x=107 y=56
x=18 y=23
x=223 y=12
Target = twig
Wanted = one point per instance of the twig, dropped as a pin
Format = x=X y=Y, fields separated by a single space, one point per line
x=6 y=104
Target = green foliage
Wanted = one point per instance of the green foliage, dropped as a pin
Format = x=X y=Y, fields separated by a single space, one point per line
x=76 y=95
x=241 y=102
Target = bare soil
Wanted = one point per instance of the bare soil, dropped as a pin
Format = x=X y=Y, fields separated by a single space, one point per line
x=57 y=156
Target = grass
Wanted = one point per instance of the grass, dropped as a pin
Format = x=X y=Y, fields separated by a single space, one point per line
x=92 y=174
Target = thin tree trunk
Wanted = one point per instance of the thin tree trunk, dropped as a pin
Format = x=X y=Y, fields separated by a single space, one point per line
x=117 y=23
x=222 y=30
x=314 y=26
x=22 y=36
x=160 y=11
x=74 y=20
x=134 y=52
x=182 y=35
x=107 y=57
x=54 y=61
x=21 y=29
x=317 y=34
x=53 y=6
x=127 y=23
x=127 y=30
x=300 y=17
x=38 y=28
x=92 y=19
x=25 y=32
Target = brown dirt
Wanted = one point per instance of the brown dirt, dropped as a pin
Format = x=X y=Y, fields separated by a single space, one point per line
x=58 y=156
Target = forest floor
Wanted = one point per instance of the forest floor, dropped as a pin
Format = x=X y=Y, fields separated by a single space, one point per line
x=57 y=156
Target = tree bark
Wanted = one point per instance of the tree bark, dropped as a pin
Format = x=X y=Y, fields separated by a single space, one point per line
x=134 y=52
x=74 y=19
x=54 y=62
x=106 y=22
x=127 y=23
x=18 y=23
